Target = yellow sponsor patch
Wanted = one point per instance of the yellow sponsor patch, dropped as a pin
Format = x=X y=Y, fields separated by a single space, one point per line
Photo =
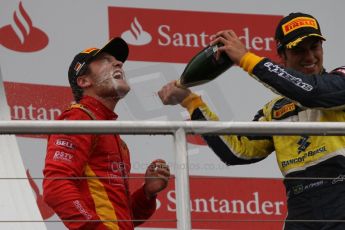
x=280 y=112
x=297 y=23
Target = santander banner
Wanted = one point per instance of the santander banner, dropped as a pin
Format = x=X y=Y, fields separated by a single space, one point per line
x=224 y=203
x=36 y=102
x=216 y=203
x=30 y=101
x=176 y=36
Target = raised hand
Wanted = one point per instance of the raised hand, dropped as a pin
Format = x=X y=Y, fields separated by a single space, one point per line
x=232 y=45
x=170 y=94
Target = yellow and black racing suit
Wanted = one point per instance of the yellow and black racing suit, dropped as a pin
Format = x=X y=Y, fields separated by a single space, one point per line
x=301 y=157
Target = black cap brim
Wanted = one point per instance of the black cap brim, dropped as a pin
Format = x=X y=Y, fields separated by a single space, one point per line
x=116 y=47
x=299 y=39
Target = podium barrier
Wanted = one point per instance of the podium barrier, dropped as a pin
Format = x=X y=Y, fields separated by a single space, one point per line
x=179 y=129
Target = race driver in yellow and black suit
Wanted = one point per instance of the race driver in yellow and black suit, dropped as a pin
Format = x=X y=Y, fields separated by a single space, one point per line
x=305 y=161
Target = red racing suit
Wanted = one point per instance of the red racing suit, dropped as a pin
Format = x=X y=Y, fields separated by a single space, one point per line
x=91 y=171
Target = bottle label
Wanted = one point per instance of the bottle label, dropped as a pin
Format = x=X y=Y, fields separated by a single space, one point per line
x=214 y=48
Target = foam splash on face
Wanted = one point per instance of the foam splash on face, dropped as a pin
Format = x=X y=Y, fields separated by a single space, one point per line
x=115 y=82
x=120 y=93
x=107 y=76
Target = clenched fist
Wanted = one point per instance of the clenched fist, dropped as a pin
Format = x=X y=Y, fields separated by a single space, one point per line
x=170 y=94
x=156 y=177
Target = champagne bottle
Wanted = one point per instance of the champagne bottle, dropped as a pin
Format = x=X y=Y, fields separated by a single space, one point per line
x=204 y=67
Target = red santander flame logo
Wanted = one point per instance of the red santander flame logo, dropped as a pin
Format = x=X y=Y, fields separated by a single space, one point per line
x=176 y=36
x=23 y=36
x=136 y=34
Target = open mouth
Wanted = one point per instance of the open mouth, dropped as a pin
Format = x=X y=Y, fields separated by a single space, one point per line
x=118 y=75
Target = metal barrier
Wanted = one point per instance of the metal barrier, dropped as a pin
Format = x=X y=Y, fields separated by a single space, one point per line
x=178 y=130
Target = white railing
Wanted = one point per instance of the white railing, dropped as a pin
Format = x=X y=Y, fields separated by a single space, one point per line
x=178 y=130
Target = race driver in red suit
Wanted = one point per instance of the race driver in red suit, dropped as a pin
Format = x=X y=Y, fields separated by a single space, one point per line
x=86 y=175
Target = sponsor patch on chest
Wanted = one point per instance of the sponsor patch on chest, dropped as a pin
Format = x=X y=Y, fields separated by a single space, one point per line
x=64 y=143
x=62 y=156
x=283 y=110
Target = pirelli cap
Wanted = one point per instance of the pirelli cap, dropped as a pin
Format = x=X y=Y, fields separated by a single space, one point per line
x=295 y=27
x=116 y=47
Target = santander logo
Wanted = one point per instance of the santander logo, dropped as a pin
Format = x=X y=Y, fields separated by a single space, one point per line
x=22 y=36
x=136 y=35
x=160 y=35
